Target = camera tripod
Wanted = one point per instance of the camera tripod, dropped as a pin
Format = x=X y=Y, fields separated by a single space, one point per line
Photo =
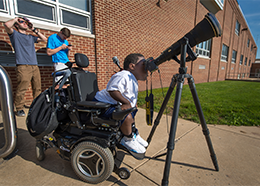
x=179 y=80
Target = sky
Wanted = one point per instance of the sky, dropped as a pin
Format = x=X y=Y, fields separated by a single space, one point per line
x=251 y=11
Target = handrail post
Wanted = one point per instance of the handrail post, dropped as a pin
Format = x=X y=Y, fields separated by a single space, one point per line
x=7 y=108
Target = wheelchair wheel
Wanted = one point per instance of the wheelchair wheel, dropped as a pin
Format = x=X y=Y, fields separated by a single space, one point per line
x=123 y=173
x=40 y=151
x=91 y=162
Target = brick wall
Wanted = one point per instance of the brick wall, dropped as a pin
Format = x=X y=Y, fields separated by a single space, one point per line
x=255 y=70
x=124 y=27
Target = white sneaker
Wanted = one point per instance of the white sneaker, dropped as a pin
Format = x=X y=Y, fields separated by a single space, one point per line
x=132 y=144
x=141 y=140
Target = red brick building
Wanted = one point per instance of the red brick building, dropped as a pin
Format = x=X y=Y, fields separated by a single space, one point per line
x=255 y=69
x=102 y=29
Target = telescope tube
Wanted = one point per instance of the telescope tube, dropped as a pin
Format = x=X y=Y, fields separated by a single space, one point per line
x=206 y=29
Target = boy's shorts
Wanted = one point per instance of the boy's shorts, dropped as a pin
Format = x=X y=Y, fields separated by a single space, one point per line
x=110 y=110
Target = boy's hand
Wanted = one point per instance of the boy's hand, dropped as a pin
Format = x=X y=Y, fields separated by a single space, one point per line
x=126 y=106
x=64 y=46
x=116 y=95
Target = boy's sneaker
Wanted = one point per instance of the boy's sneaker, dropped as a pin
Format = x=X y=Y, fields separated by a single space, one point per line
x=141 y=140
x=20 y=113
x=132 y=145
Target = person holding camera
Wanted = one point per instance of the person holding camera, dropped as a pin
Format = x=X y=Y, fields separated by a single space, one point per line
x=25 y=56
x=123 y=88
x=58 y=47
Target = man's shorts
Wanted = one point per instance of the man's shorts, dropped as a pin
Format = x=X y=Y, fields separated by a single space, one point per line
x=110 y=110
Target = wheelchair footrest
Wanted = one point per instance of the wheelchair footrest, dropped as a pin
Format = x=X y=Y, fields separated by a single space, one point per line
x=138 y=156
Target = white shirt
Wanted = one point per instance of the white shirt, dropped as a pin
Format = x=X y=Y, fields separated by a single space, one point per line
x=124 y=82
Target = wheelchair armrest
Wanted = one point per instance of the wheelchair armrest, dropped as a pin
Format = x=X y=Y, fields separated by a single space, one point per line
x=93 y=104
x=119 y=115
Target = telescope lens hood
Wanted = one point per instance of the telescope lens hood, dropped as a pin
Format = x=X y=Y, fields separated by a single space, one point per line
x=214 y=23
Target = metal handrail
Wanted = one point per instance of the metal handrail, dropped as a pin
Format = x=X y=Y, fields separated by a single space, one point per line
x=237 y=75
x=7 y=108
x=242 y=75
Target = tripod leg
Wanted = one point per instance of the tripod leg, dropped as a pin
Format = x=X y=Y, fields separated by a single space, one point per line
x=165 y=101
x=171 y=143
x=203 y=122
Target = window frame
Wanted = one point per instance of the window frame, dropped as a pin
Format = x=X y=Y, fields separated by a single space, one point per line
x=237 y=30
x=78 y=13
x=204 y=48
x=241 y=59
x=233 y=60
x=43 y=2
x=57 y=21
x=225 y=49
x=6 y=7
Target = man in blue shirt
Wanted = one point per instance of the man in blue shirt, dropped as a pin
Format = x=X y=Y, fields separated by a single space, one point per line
x=27 y=69
x=58 y=47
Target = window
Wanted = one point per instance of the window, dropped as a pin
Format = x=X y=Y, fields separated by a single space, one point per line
x=241 y=60
x=248 y=42
x=234 y=56
x=3 y=7
x=237 y=29
x=204 y=48
x=212 y=5
x=245 y=61
x=249 y=62
x=224 y=54
x=74 y=14
x=251 y=47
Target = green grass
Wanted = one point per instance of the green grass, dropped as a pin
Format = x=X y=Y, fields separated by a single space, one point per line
x=222 y=102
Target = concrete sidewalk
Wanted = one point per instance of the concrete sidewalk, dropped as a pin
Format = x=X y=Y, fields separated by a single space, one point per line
x=237 y=150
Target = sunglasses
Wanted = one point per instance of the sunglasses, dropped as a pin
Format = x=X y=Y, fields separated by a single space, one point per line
x=29 y=24
x=143 y=60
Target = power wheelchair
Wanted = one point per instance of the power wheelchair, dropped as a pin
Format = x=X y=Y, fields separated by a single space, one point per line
x=76 y=129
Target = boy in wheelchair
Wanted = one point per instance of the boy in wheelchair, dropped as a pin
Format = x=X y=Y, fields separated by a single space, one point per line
x=84 y=131
x=123 y=88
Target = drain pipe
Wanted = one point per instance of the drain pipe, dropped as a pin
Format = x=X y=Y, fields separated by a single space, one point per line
x=7 y=108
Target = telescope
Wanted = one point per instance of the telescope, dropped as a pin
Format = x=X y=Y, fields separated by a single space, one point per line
x=206 y=29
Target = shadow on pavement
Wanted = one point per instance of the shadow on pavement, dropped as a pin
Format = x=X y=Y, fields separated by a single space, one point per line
x=184 y=164
x=52 y=162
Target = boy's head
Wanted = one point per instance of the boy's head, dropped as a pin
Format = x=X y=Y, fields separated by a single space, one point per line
x=23 y=24
x=135 y=63
x=64 y=33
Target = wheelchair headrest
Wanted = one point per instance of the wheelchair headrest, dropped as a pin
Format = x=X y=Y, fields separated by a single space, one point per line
x=81 y=60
